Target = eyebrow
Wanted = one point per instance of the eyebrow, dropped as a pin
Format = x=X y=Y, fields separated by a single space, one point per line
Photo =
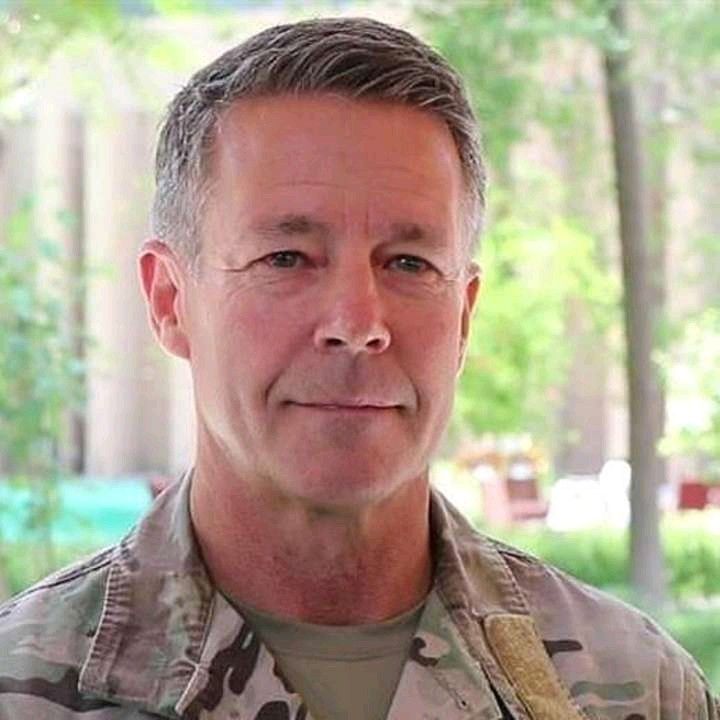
x=413 y=232
x=295 y=224
x=290 y=225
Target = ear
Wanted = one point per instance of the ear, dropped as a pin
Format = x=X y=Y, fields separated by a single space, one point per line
x=472 y=287
x=163 y=280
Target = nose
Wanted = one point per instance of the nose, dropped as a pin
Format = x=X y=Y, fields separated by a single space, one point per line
x=353 y=320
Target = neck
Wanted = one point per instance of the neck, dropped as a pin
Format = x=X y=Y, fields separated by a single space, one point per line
x=331 y=566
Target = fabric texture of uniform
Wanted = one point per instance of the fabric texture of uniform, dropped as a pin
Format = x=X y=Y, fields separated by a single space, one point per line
x=139 y=632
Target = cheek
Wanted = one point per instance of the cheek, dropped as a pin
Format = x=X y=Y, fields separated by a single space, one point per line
x=430 y=348
x=254 y=338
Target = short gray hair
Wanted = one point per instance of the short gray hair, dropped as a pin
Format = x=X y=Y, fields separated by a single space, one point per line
x=355 y=57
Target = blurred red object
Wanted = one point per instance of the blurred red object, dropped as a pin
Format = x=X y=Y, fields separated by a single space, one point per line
x=692 y=495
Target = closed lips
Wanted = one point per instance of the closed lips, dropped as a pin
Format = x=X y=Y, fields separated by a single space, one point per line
x=349 y=405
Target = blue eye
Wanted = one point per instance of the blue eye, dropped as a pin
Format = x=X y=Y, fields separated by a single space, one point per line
x=410 y=264
x=285 y=259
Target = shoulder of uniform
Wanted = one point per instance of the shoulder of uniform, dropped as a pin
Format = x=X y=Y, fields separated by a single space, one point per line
x=546 y=585
x=54 y=620
x=72 y=575
x=582 y=626
x=552 y=592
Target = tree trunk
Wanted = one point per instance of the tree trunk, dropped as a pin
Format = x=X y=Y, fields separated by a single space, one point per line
x=647 y=568
x=659 y=138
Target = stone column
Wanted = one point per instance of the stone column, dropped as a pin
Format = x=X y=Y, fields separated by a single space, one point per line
x=58 y=215
x=16 y=178
x=127 y=410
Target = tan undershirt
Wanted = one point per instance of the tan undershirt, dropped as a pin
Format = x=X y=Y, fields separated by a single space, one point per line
x=341 y=672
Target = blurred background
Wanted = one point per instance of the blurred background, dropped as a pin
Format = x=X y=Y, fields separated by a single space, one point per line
x=587 y=422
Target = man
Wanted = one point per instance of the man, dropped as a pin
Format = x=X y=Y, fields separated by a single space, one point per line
x=318 y=191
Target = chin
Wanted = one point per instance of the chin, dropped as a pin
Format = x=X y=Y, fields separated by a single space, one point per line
x=342 y=490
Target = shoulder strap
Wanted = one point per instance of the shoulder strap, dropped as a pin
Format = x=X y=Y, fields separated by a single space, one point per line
x=521 y=654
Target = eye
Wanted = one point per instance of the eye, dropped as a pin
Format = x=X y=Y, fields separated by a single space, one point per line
x=285 y=259
x=410 y=264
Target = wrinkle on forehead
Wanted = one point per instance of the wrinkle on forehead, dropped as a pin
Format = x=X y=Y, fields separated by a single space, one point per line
x=373 y=154
x=287 y=225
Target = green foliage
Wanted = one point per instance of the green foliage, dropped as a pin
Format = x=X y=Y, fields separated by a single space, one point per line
x=518 y=355
x=106 y=35
x=31 y=29
x=41 y=375
x=698 y=631
x=693 y=383
x=499 y=48
x=686 y=34
x=509 y=53
x=25 y=563
x=539 y=268
x=600 y=556
x=494 y=46
x=693 y=557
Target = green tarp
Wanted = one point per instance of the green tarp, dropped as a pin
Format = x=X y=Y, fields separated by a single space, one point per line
x=88 y=509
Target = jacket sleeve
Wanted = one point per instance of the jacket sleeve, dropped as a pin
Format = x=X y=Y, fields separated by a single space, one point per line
x=707 y=703
x=713 y=706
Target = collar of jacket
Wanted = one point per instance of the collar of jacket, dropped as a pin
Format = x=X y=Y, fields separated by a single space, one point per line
x=170 y=644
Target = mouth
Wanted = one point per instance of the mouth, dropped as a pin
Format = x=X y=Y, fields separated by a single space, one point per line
x=348 y=406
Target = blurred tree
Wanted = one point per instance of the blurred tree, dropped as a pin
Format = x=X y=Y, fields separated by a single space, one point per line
x=518 y=353
x=507 y=51
x=41 y=376
x=692 y=368
x=645 y=398
x=41 y=370
x=30 y=31
x=41 y=363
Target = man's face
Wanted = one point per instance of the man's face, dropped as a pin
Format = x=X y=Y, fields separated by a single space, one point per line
x=326 y=325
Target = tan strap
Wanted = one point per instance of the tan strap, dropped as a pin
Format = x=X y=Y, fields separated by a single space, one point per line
x=521 y=654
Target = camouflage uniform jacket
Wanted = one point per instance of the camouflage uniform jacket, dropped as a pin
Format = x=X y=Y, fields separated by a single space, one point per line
x=139 y=632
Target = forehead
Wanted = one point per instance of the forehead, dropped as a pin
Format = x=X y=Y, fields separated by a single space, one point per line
x=354 y=166
x=329 y=138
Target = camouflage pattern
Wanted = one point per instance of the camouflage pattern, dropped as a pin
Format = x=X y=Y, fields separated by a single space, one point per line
x=139 y=632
